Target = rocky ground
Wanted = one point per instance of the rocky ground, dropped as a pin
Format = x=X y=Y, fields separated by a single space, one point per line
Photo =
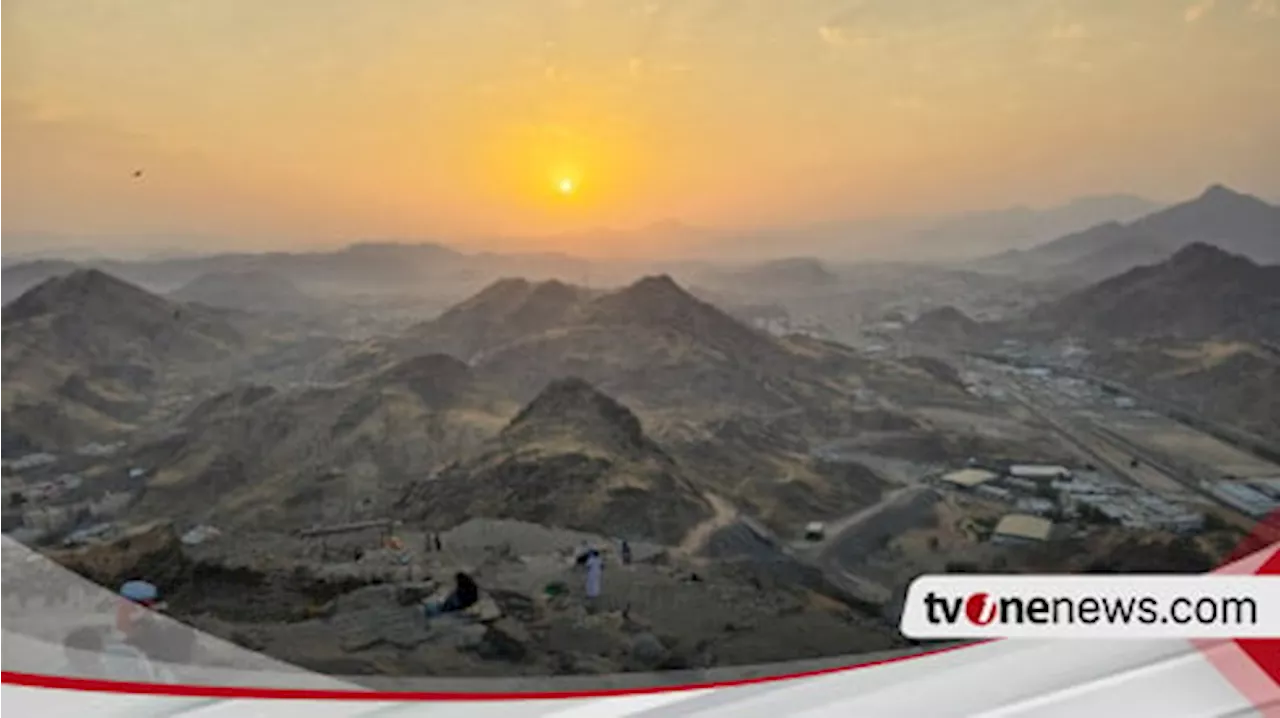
x=342 y=616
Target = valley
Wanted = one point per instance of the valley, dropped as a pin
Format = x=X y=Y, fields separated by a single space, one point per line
x=303 y=461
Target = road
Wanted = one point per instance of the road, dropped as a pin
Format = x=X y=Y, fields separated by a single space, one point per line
x=853 y=537
x=723 y=514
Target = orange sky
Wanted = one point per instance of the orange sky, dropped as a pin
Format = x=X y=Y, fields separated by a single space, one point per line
x=299 y=121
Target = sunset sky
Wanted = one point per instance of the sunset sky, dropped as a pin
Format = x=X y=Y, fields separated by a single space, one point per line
x=287 y=122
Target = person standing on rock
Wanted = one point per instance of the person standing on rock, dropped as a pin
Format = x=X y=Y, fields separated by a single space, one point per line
x=626 y=553
x=595 y=574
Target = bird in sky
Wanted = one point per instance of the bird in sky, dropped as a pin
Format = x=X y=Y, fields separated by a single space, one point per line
x=137 y=174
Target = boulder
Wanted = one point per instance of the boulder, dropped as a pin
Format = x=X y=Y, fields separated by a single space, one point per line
x=648 y=649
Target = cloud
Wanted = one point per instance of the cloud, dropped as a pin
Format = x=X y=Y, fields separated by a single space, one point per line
x=1265 y=8
x=1197 y=11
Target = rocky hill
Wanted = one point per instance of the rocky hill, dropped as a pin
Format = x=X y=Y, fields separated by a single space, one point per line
x=252 y=290
x=84 y=354
x=503 y=312
x=257 y=456
x=572 y=458
x=1201 y=291
x=945 y=324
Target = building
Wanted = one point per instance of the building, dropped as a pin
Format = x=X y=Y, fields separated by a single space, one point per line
x=969 y=478
x=1270 y=487
x=994 y=492
x=1036 y=506
x=1242 y=497
x=1040 y=472
x=1024 y=484
x=1021 y=529
x=31 y=461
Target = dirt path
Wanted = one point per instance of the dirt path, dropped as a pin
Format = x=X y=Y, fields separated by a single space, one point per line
x=723 y=515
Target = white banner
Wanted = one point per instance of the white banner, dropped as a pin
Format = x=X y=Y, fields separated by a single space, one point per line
x=1092 y=606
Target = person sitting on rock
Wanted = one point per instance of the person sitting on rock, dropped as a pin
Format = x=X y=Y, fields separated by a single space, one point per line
x=464 y=595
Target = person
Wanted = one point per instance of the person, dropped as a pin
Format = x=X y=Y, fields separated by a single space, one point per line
x=139 y=638
x=464 y=595
x=595 y=571
x=626 y=553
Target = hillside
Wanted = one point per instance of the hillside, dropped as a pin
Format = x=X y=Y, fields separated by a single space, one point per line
x=84 y=352
x=1201 y=291
x=573 y=458
x=255 y=455
x=502 y=312
x=251 y=290
x=1234 y=383
x=945 y=324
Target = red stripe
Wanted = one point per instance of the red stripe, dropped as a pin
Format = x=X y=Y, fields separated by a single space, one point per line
x=35 y=680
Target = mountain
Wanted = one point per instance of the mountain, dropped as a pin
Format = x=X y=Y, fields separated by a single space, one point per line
x=573 y=458
x=90 y=317
x=1201 y=291
x=502 y=312
x=650 y=343
x=1235 y=222
x=255 y=455
x=946 y=324
x=251 y=290
x=83 y=353
x=803 y=273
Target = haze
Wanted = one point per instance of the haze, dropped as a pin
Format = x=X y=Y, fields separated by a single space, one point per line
x=307 y=122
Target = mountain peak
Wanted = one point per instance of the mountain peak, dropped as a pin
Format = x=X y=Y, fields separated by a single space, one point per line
x=435 y=378
x=1219 y=191
x=657 y=285
x=572 y=406
x=91 y=288
x=1201 y=254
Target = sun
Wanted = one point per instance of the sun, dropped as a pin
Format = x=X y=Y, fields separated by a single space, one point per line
x=566 y=186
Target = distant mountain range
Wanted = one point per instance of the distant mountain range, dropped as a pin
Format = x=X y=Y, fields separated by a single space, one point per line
x=245 y=290
x=1238 y=223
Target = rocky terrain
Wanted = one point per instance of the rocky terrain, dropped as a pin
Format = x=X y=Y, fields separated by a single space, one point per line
x=1199 y=292
x=364 y=617
x=572 y=458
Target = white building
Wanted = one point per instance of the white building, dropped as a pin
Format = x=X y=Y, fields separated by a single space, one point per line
x=1242 y=497
x=1040 y=472
x=994 y=492
x=1036 y=506
x=1022 y=529
x=969 y=478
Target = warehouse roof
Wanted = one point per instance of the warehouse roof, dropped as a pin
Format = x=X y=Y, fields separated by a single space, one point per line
x=969 y=478
x=1022 y=526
